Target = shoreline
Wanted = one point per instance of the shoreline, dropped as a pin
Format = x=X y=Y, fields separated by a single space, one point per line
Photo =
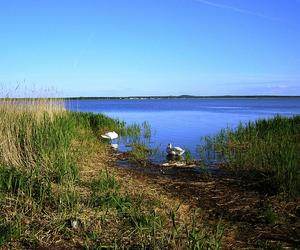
x=182 y=97
x=137 y=97
x=83 y=197
x=240 y=203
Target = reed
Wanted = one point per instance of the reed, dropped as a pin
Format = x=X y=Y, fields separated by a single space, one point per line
x=36 y=136
x=268 y=148
x=38 y=165
x=99 y=123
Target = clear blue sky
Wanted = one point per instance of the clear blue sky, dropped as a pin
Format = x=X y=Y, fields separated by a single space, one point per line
x=151 y=47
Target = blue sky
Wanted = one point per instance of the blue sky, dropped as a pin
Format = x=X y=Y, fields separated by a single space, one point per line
x=151 y=47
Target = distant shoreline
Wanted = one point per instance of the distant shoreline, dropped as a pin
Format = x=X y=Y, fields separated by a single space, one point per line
x=160 y=97
x=179 y=97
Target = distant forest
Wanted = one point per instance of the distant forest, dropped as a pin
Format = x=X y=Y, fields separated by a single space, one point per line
x=177 y=97
x=157 y=97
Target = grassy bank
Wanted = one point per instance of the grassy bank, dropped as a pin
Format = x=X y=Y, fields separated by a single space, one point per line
x=58 y=191
x=268 y=149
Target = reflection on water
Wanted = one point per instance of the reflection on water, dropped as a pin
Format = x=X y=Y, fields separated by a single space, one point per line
x=183 y=122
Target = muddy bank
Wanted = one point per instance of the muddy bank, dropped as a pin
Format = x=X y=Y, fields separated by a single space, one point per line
x=253 y=216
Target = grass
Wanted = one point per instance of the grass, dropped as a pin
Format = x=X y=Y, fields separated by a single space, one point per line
x=270 y=215
x=140 y=154
x=268 y=148
x=188 y=157
x=55 y=186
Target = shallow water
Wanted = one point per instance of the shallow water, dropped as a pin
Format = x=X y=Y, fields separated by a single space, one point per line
x=183 y=122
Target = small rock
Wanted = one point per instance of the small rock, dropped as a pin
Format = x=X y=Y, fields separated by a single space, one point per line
x=162 y=172
x=74 y=224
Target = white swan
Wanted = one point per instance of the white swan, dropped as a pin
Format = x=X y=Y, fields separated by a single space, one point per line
x=176 y=151
x=114 y=146
x=110 y=135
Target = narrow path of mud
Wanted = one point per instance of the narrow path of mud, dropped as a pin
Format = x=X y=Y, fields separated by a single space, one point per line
x=258 y=219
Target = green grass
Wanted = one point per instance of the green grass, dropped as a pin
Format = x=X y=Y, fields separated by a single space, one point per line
x=105 y=194
x=140 y=153
x=267 y=148
x=188 y=155
x=37 y=158
x=104 y=183
x=41 y=192
x=270 y=215
x=99 y=123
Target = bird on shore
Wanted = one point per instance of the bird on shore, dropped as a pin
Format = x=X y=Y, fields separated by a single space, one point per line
x=174 y=151
x=110 y=135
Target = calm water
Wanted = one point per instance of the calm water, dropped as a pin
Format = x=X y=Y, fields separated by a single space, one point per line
x=183 y=122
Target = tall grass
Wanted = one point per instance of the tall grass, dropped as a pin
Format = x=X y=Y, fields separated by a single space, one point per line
x=99 y=123
x=37 y=158
x=36 y=136
x=268 y=147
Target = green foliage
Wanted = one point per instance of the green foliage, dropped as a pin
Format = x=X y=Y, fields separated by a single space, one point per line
x=146 y=129
x=68 y=200
x=199 y=238
x=99 y=123
x=137 y=133
x=146 y=223
x=36 y=154
x=270 y=147
x=188 y=155
x=104 y=183
x=42 y=145
x=140 y=153
x=105 y=194
x=269 y=245
x=17 y=182
x=110 y=200
x=270 y=215
x=40 y=189
x=10 y=229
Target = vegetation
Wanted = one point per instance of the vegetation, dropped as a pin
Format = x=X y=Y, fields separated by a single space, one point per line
x=178 y=97
x=267 y=148
x=140 y=154
x=270 y=215
x=58 y=191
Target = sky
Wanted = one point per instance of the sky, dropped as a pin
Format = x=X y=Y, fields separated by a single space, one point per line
x=150 y=47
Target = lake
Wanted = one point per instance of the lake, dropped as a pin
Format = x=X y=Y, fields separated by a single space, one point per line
x=183 y=122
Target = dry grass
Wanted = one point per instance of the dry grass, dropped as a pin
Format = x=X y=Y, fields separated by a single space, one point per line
x=18 y=118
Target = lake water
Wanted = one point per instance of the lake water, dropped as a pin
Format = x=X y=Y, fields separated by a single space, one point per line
x=183 y=122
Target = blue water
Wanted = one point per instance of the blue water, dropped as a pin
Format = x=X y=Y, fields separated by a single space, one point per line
x=183 y=122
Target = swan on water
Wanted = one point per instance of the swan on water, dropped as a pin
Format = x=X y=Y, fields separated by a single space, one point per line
x=174 y=151
x=110 y=135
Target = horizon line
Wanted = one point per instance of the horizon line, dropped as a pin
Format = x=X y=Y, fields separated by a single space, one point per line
x=158 y=97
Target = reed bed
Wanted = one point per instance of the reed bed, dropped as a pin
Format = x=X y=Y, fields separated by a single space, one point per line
x=36 y=135
x=37 y=157
x=267 y=148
